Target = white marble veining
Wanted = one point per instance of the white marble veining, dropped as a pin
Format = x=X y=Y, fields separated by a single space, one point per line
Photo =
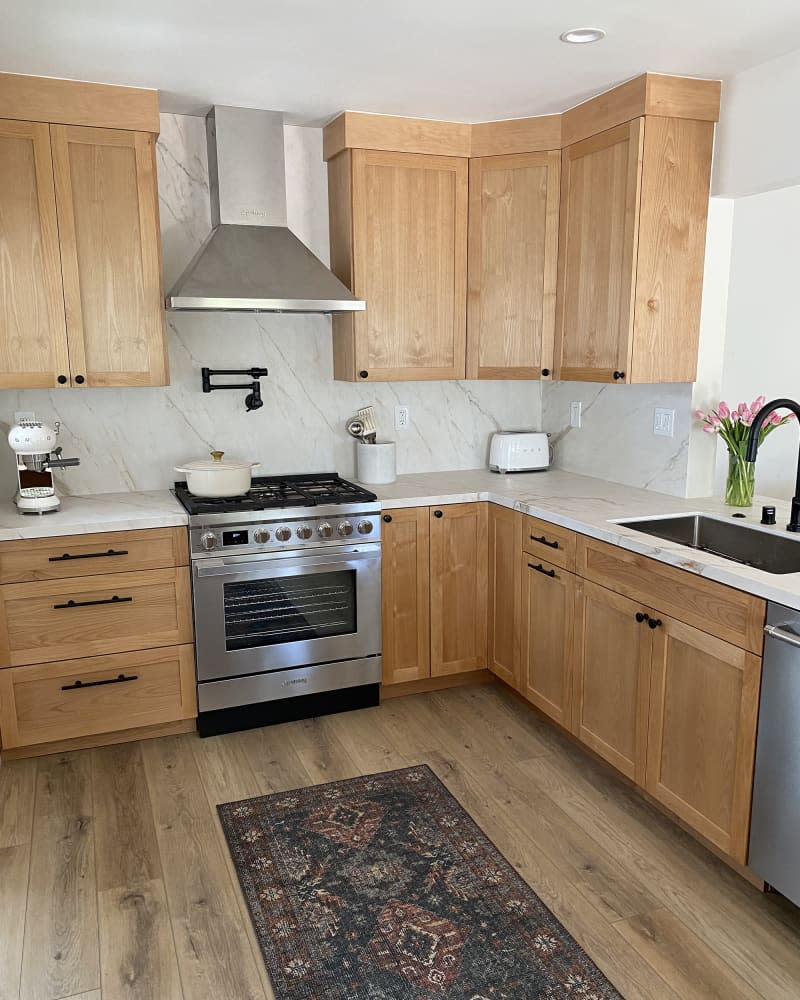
x=130 y=439
x=90 y=514
x=616 y=441
x=590 y=506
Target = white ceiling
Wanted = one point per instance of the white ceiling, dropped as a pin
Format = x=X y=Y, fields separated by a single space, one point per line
x=454 y=59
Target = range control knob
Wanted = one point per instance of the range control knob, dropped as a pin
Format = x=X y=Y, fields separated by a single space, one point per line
x=324 y=530
x=283 y=534
x=304 y=531
x=364 y=527
x=345 y=529
x=261 y=535
x=209 y=540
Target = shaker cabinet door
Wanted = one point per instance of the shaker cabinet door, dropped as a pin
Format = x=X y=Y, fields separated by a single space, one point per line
x=33 y=341
x=405 y=595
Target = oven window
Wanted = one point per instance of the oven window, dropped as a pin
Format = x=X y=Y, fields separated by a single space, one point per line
x=290 y=609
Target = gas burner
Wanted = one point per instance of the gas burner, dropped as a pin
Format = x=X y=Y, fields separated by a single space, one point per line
x=278 y=492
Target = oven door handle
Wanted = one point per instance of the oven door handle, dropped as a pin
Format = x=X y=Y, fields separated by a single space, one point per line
x=258 y=564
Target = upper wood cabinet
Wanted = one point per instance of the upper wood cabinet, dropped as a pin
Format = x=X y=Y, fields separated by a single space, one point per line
x=33 y=344
x=512 y=261
x=81 y=300
x=107 y=202
x=458 y=587
x=398 y=240
x=634 y=202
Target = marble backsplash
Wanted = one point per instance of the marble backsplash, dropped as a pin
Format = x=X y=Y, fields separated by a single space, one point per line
x=616 y=440
x=130 y=439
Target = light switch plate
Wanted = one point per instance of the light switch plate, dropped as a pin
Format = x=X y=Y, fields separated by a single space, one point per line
x=576 y=414
x=664 y=422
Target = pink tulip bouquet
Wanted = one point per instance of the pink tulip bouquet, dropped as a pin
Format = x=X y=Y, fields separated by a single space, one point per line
x=733 y=426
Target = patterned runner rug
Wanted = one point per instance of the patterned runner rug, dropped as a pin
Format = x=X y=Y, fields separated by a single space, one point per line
x=383 y=888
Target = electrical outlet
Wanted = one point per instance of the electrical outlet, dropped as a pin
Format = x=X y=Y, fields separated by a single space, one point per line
x=21 y=415
x=664 y=422
x=402 y=418
x=576 y=414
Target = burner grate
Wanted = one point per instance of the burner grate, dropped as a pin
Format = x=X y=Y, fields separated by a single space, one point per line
x=273 y=492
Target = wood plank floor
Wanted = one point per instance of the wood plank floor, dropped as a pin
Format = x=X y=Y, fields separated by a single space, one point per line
x=116 y=883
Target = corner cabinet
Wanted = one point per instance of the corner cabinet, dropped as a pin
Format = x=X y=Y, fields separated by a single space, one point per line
x=399 y=240
x=512 y=261
x=634 y=203
x=405 y=595
x=82 y=301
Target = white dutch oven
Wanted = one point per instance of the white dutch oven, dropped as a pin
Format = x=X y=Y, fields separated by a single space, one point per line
x=215 y=478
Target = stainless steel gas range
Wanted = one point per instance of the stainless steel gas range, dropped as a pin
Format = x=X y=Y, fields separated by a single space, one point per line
x=287 y=600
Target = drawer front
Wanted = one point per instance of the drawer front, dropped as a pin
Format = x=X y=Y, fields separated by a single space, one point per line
x=60 y=701
x=66 y=619
x=30 y=560
x=550 y=542
x=712 y=607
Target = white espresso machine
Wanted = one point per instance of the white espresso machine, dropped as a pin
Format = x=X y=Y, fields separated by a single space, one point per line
x=34 y=447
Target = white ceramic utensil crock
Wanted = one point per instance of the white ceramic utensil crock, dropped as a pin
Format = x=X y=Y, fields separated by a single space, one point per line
x=217 y=478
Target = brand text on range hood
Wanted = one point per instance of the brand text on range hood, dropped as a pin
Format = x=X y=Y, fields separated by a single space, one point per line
x=252 y=262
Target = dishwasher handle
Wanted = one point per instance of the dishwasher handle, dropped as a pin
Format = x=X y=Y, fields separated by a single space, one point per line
x=776 y=632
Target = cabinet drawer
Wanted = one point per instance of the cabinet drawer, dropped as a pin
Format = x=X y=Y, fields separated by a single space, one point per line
x=60 y=701
x=722 y=611
x=550 y=542
x=29 y=560
x=65 y=619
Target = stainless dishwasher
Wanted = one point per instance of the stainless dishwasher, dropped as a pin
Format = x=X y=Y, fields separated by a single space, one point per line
x=775 y=828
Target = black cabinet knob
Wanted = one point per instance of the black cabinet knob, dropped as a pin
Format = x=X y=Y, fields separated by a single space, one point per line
x=438 y=513
x=387 y=518
x=619 y=375
x=642 y=617
x=545 y=372
x=654 y=622
x=80 y=379
x=363 y=374
x=62 y=380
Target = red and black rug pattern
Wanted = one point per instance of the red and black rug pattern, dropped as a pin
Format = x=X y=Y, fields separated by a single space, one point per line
x=383 y=888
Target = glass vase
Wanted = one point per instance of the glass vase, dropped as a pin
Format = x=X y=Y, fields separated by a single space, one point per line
x=741 y=484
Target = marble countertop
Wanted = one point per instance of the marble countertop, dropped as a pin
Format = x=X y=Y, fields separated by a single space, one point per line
x=590 y=506
x=98 y=512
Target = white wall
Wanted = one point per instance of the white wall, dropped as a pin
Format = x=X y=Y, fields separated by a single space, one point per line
x=129 y=439
x=762 y=349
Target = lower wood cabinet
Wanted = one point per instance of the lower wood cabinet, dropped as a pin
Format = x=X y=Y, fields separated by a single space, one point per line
x=101 y=694
x=547 y=628
x=704 y=696
x=435 y=591
x=612 y=682
x=505 y=593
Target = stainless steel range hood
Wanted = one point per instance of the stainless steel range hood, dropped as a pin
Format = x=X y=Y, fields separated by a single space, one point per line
x=251 y=261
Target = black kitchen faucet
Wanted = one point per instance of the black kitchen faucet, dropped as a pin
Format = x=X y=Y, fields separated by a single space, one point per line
x=752 y=449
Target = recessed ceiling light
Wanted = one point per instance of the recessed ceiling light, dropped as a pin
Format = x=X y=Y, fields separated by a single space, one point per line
x=582 y=36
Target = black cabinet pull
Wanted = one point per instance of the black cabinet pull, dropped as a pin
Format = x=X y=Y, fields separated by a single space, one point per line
x=545 y=372
x=363 y=374
x=619 y=375
x=387 y=518
x=642 y=617
x=92 y=604
x=540 y=569
x=62 y=380
x=80 y=379
x=89 y=555
x=119 y=679
x=438 y=513
x=543 y=540
x=654 y=622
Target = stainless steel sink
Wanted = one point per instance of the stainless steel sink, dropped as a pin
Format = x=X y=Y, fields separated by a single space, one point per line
x=765 y=550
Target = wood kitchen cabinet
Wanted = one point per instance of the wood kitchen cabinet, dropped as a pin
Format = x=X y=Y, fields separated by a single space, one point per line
x=33 y=342
x=459 y=554
x=405 y=595
x=82 y=301
x=398 y=226
x=702 y=730
x=548 y=626
x=505 y=593
x=107 y=202
x=612 y=679
x=634 y=201
x=512 y=262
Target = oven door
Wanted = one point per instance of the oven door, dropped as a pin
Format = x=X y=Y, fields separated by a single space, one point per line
x=260 y=614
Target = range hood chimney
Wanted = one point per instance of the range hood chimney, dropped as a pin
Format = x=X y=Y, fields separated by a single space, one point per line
x=252 y=262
